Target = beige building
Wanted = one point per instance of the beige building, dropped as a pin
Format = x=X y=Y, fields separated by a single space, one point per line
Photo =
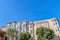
x=50 y=23
x=31 y=27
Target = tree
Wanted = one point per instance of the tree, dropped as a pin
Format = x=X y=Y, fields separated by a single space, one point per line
x=11 y=33
x=1 y=33
x=45 y=33
x=25 y=36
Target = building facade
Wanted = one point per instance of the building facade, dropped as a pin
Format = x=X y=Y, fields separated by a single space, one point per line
x=31 y=27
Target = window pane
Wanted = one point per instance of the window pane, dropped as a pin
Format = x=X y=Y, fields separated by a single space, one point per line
x=38 y=25
x=24 y=24
x=31 y=31
x=31 y=26
x=45 y=24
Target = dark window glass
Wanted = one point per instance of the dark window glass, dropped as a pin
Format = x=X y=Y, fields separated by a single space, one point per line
x=24 y=24
x=31 y=26
x=20 y=26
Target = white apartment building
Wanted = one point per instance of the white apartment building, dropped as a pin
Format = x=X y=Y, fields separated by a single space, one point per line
x=31 y=27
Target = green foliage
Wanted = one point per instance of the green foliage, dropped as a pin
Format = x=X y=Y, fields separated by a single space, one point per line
x=44 y=33
x=11 y=32
x=25 y=36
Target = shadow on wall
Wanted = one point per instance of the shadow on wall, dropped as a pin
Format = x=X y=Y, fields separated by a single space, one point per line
x=56 y=38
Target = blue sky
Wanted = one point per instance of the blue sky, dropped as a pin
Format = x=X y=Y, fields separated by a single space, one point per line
x=31 y=10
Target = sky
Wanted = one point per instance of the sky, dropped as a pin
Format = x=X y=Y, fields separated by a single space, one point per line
x=31 y=10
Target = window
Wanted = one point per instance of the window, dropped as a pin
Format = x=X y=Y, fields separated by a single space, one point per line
x=58 y=37
x=59 y=29
x=24 y=24
x=55 y=22
x=20 y=26
x=38 y=25
x=56 y=29
x=31 y=31
x=45 y=24
x=31 y=26
x=14 y=25
x=27 y=29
